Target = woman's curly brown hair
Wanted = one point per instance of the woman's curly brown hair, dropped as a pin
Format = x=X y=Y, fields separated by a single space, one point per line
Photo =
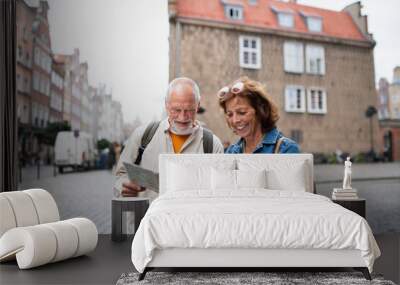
x=256 y=94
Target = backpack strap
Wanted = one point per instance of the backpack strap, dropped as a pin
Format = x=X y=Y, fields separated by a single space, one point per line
x=207 y=141
x=278 y=144
x=146 y=138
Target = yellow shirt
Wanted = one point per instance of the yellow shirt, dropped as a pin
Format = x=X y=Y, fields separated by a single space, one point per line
x=178 y=141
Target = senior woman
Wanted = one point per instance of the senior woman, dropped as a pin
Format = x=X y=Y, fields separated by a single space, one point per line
x=252 y=115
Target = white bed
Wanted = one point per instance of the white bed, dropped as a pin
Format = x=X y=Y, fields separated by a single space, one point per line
x=247 y=211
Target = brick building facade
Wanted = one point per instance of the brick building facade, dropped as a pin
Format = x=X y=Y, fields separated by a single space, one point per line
x=317 y=65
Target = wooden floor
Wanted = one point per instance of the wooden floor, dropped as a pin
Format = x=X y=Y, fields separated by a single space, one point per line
x=111 y=259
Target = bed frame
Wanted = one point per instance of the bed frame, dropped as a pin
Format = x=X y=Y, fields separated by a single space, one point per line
x=240 y=259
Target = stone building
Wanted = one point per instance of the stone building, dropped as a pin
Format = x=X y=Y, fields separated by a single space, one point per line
x=317 y=65
x=394 y=94
x=25 y=16
x=56 y=92
x=86 y=106
x=383 y=99
x=72 y=88
x=42 y=62
x=93 y=112
x=108 y=117
x=33 y=77
x=389 y=115
x=63 y=62
x=24 y=54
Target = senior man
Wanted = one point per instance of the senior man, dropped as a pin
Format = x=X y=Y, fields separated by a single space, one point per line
x=178 y=133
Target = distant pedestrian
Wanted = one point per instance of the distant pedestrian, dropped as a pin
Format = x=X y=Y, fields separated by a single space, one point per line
x=111 y=157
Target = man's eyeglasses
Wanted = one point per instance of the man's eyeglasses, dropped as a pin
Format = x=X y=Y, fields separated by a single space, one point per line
x=177 y=111
x=235 y=89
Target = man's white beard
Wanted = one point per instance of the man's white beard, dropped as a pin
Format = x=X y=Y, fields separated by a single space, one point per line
x=182 y=132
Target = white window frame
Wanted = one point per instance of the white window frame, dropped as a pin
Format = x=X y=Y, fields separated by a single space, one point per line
x=293 y=56
x=289 y=97
x=285 y=19
x=237 y=12
x=314 y=24
x=313 y=54
x=311 y=108
x=250 y=51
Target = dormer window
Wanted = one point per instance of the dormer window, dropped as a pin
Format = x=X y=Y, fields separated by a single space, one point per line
x=234 y=12
x=314 y=24
x=285 y=20
x=312 y=21
x=285 y=17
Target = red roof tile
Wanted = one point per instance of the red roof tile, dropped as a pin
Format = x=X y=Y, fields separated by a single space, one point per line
x=338 y=24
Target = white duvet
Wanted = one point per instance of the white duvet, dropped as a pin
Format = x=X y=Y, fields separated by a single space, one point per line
x=253 y=218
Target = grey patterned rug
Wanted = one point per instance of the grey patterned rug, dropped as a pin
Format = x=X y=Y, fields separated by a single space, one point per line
x=229 y=278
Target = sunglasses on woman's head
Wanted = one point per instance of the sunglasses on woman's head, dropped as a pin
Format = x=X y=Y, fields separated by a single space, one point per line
x=235 y=89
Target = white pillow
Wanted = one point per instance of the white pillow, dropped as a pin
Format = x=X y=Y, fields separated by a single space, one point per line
x=282 y=173
x=237 y=179
x=183 y=178
x=186 y=176
x=223 y=179
x=293 y=180
x=251 y=178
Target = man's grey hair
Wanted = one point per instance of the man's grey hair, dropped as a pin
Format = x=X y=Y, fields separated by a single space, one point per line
x=181 y=81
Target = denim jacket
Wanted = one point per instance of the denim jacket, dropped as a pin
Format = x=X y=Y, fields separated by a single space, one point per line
x=267 y=145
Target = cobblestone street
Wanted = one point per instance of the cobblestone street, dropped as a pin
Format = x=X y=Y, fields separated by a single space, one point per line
x=86 y=194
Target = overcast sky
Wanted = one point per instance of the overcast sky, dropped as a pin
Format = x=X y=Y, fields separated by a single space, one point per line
x=125 y=43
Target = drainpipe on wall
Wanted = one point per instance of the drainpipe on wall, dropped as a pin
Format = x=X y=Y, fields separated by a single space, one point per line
x=177 y=49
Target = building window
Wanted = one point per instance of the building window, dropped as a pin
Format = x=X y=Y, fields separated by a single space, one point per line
x=315 y=59
x=36 y=56
x=234 y=12
x=28 y=59
x=26 y=85
x=253 y=2
x=293 y=57
x=285 y=19
x=295 y=99
x=34 y=113
x=314 y=24
x=36 y=81
x=250 y=52
x=296 y=135
x=316 y=101
x=19 y=82
x=42 y=83
x=47 y=90
x=20 y=53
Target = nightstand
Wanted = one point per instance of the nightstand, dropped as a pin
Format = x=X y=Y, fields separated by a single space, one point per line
x=138 y=205
x=356 y=205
